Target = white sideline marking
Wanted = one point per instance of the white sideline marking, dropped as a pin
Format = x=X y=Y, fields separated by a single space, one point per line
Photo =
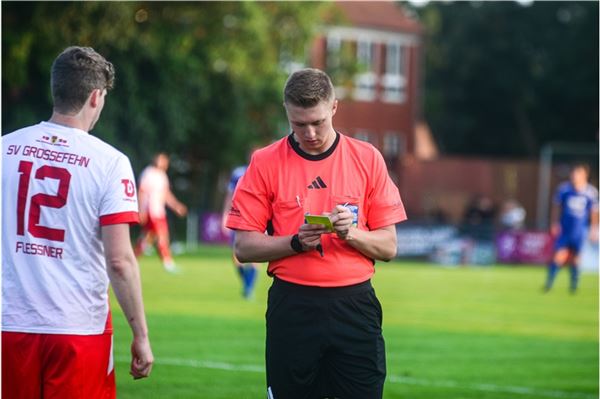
x=207 y=364
x=201 y=364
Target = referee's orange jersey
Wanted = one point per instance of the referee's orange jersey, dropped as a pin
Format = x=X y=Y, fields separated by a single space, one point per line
x=283 y=183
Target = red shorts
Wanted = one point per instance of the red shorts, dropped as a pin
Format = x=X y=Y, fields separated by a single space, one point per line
x=158 y=226
x=50 y=366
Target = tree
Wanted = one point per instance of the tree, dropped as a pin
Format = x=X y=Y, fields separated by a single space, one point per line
x=503 y=79
x=200 y=80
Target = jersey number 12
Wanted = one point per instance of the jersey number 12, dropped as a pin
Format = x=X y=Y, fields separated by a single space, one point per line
x=38 y=200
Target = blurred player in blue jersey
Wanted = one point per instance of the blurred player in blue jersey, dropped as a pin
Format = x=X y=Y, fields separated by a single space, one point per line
x=246 y=271
x=576 y=202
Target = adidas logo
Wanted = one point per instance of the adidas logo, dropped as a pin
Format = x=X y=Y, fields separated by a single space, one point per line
x=317 y=183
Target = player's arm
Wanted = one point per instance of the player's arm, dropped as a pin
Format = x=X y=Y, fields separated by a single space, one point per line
x=142 y=205
x=124 y=276
x=253 y=246
x=226 y=208
x=554 y=220
x=175 y=205
x=380 y=244
x=594 y=225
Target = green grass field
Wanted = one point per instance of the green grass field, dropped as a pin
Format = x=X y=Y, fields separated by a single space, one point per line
x=484 y=333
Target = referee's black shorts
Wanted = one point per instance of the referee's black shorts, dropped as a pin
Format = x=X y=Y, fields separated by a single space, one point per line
x=324 y=342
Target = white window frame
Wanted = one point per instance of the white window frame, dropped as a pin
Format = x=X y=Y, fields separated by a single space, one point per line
x=334 y=45
x=365 y=83
x=365 y=54
x=363 y=135
x=394 y=80
x=393 y=144
x=364 y=86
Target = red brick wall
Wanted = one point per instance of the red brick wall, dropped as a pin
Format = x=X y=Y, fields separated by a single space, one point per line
x=449 y=184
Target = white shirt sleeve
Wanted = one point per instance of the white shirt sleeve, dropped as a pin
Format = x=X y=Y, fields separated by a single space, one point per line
x=119 y=200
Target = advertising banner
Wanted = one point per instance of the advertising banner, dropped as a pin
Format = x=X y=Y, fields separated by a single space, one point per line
x=210 y=229
x=530 y=247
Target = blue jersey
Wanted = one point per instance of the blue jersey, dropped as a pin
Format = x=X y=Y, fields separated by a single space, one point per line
x=576 y=208
x=236 y=175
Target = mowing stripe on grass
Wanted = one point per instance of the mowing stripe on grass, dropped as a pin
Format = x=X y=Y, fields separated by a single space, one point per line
x=207 y=364
x=491 y=388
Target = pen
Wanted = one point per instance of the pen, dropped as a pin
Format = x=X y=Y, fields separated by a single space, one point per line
x=320 y=249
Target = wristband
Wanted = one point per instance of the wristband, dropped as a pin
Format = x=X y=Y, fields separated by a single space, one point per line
x=295 y=244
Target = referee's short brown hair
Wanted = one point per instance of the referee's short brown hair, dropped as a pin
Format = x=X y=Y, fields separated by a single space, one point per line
x=308 y=87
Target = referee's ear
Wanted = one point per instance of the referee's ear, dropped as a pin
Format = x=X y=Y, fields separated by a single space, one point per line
x=334 y=107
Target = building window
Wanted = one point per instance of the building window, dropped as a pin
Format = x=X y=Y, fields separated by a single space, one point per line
x=392 y=65
x=334 y=45
x=394 y=80
x=365 y=82
x=341 y=64
x=363 y=135
x=365 y=54
x=392 y=144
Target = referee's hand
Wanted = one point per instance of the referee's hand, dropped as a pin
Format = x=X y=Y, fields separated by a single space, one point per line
x=341 y=218
x=309 y=235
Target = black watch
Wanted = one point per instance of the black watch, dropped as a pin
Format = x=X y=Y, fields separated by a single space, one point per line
x=295 y=244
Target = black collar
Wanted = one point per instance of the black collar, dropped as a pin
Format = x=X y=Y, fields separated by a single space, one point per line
x=311 y=157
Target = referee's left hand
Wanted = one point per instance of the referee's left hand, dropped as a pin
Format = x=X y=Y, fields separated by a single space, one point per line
x=341 y=218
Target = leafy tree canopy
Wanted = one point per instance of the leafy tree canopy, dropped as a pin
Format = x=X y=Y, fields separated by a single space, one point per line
x=201 y=80
x=503 y=79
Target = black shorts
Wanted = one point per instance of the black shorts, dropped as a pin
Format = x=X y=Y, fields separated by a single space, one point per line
x=324 y=342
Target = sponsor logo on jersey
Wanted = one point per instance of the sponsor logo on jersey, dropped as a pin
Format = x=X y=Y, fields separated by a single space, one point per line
x=54 y=140
x=129 y=187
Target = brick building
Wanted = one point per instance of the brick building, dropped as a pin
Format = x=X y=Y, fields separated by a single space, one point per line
x=380 y=103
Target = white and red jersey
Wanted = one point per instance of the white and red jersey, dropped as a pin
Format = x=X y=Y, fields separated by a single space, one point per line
x=59 y=186
x=154 y=187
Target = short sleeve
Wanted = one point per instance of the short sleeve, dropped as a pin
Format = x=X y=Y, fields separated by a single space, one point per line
x=385 y=205
x=250 y=207
x=593 y=198
x=119 y=200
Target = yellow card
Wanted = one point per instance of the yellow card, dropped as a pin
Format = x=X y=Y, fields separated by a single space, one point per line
x=319 y=219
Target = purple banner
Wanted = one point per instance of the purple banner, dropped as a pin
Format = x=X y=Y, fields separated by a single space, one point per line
x=532 y=247
x=211 y=230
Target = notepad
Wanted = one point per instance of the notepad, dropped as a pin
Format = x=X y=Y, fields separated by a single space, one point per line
x=319 y=219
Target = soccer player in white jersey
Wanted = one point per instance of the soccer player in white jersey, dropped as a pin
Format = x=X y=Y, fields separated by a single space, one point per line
x=67 y=201
x=154 y=194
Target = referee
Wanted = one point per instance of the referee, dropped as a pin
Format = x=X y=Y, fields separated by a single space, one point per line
x=324 y=335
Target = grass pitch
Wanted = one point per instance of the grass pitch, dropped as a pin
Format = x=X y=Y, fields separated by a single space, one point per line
x=481 y=333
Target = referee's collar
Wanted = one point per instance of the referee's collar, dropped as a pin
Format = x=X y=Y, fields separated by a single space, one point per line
x=296 y=146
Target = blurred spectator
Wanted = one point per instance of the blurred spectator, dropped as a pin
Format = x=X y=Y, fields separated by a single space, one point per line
x=478 y=221
x=512 y=215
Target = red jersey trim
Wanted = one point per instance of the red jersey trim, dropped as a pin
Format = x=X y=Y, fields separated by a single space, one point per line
x=130 y=217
